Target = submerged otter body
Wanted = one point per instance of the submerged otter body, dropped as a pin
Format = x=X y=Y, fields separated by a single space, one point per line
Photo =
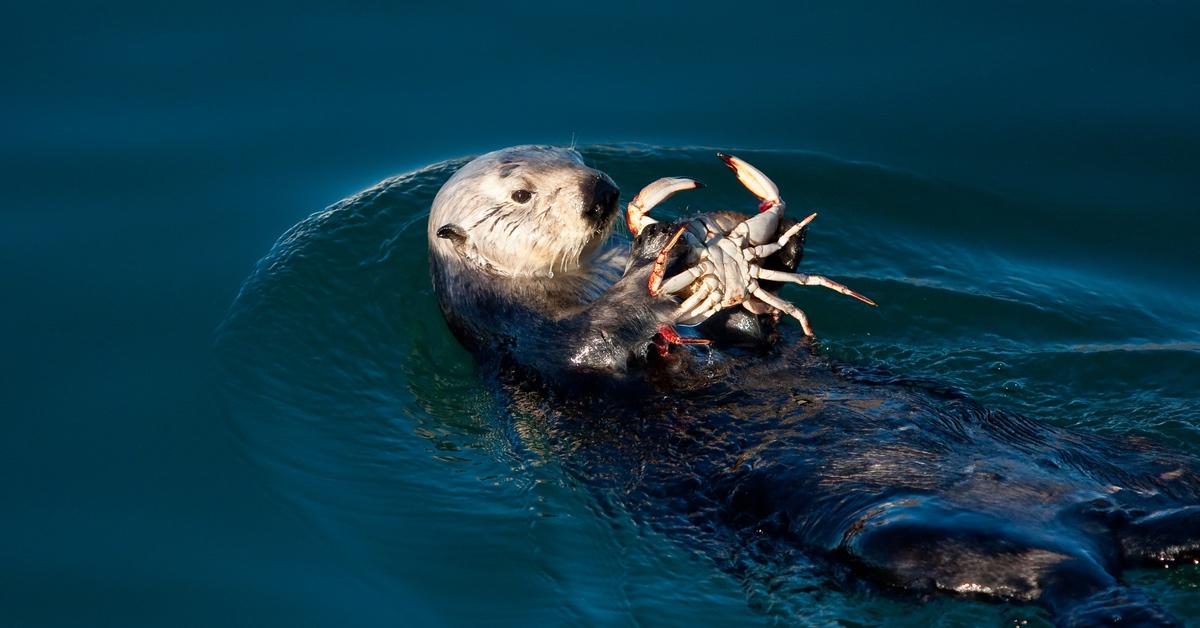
x=775 y=450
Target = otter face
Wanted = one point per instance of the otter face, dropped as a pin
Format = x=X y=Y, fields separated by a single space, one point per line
x=523 y=211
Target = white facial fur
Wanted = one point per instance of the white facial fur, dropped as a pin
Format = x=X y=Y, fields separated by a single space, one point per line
x=547 y=234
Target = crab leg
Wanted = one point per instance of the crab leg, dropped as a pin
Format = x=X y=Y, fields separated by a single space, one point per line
x=808 y=280
x=682 y=280
x=699 y=296
x=763 y=250
x=636 y=217
x=706 y=314
x=660 y=264
x=788 y=308
x=706 y=265
x=756 y=305
x=667 y=336
x=703 y=303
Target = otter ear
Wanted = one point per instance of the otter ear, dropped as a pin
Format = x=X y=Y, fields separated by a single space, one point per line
x=453 y=233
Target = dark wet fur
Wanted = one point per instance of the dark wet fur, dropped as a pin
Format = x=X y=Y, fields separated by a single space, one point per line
x=763 y=449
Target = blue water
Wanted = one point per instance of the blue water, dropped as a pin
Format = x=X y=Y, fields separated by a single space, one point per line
x=1016 y=185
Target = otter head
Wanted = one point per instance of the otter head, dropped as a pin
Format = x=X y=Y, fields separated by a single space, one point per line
x=526 y=211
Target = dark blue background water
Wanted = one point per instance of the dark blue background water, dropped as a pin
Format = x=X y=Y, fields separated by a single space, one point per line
x=1043 y=160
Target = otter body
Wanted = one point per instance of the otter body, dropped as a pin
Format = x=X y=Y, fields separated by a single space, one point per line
x=772 y=451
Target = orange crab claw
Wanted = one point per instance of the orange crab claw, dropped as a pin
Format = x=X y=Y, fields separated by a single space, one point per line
x=637 y=212
x=667 y=336
x=759 y=184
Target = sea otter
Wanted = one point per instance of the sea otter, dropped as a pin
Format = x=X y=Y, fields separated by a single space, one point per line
x=524 y=270
x=764 y=450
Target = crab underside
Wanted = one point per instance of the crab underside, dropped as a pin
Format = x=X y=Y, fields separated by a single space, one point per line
x=725 y=255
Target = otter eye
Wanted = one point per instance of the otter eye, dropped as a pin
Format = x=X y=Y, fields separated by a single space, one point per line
x=522 y=196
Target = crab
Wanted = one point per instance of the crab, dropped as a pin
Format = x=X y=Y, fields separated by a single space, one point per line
x=726 y=251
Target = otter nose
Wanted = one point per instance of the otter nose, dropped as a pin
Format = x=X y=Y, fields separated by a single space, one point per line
x=604 y=195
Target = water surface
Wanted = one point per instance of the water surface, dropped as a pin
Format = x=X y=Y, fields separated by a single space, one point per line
x=1029 y=231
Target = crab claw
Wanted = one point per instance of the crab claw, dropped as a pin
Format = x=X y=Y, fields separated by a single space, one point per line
x=636 y=217
x=754 y=180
